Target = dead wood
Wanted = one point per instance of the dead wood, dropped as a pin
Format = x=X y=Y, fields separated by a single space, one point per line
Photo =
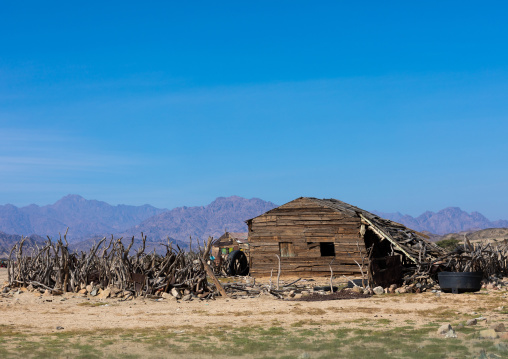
x=53 y=267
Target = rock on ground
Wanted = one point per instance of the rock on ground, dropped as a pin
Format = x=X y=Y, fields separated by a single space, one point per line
x=471 y=322
x=444 y=329
x=498 y=327
x=176 y=293
x=488 y=334
x=378 y=290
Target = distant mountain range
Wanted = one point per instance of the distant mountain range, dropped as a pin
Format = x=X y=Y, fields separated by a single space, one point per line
x=201 y=222
x=89 y=220
x=85 y=218
x=448 y=220
x=8 y=240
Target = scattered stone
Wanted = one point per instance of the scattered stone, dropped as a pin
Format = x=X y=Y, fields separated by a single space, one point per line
x=444 y=329
x=490 y=286
x=82 y=291
x=115 y=291
x=176 y=293
x=357 y=289
x=378 y=290
x=104 y=294
x=488 y=334
x=459 y=326
x=304 y=356
x=291 y=294
x=471 y=322
x=401 y=290
x=451 y=334
x=89 y=288
x=168 y=296
x=57 y=292
x=498 y=327
x=47 y=293
x=187 y=297
x=6 y=290
x=94 y=292
x=481 y=318
x=305 y=292
x=503 y=336
x=59 y=328
x=30 y=288
x=298 y=296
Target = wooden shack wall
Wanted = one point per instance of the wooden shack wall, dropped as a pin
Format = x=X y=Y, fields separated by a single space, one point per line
x=305 y=224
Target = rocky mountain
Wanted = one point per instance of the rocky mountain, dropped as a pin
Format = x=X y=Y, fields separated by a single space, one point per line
x=492 y=235
x=200 y=222
x=90 y=219
x=8 y=240
x=448 y=220
x=85 y=218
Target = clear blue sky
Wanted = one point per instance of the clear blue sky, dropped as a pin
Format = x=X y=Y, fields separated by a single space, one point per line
x=391 y=106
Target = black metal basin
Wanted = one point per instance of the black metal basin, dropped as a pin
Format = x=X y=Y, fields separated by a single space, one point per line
x=356 y=282
x=460 y=282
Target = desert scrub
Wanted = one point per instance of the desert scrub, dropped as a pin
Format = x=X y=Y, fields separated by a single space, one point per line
x=449 y=244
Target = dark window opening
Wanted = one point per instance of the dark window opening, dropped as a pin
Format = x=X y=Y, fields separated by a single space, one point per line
x=327 y=249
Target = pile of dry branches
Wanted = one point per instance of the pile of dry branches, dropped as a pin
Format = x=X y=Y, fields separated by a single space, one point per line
x=487 y=258
x=491 y=260
x=108 y=264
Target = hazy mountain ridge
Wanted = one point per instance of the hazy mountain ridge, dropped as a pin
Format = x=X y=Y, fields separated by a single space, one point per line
x=7 y=241
x=90 y=220
x=200 y=222
x=448 y=220
x=85 y=218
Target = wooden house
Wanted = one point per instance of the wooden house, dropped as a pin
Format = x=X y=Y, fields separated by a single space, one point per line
x=312 y=236
x=228 y=242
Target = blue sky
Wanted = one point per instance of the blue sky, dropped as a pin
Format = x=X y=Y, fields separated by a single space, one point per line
x=391 y=106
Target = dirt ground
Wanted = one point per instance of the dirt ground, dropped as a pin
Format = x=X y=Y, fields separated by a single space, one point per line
x=32 y=312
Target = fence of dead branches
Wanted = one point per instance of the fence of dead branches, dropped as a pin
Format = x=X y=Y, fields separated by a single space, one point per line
x=487 y=258
x=490 y=259
x=108 y=263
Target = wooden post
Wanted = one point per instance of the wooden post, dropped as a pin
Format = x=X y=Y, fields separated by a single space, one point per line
x=331 y=276
x=278 y=272
x=215 y=281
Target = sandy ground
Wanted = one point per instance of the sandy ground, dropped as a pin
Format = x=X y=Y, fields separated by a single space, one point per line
x=34 y=313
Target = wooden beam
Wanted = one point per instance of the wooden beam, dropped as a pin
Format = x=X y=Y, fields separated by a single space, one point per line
x=215 y=281
x=380 y=233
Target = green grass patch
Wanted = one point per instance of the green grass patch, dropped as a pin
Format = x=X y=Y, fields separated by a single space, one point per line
x=374 y=339
x=92 y=304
